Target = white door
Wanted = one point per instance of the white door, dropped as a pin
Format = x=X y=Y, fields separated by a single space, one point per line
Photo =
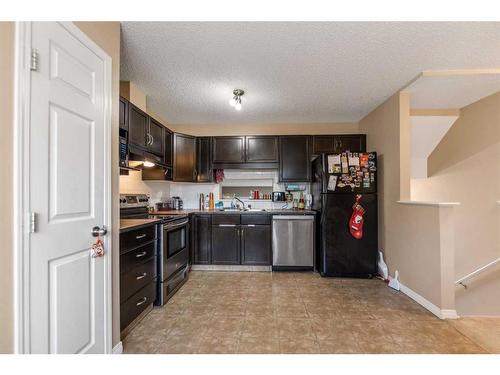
x=69 y=291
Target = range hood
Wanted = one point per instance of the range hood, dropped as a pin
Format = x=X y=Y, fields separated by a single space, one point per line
x=137 y=157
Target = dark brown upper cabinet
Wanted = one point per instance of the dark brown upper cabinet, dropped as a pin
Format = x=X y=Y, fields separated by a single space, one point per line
x=228 y=150
x=123 y=114
x=338 y=143
x=184 y=158
x=168 y=157
x=155 y=133
x=350 y=142
x=204 y=170
x=323 y=144
x=295 y=162
x=261 y=149
x=138 y=122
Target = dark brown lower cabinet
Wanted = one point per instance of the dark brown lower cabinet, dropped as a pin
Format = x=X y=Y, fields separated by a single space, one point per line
x=221 y=240
x=202 y=233
x=256 y=245
x=137 y=273
x=226 y=244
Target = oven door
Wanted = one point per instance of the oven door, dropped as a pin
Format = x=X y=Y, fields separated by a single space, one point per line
x=175 y=246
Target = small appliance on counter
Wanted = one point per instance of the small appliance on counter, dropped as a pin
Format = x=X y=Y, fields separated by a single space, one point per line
x=174 y=203
x=278 y=196
x=163 y=206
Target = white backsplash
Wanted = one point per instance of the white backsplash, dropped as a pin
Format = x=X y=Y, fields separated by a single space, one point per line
x=190 y=192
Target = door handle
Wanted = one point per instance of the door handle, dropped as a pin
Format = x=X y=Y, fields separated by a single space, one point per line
x=140 y=255
x=142 y=301
x=98 y=232
x=140 y=236
x=141 y=276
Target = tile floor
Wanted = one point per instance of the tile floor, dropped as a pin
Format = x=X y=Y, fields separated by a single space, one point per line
x=264 y=312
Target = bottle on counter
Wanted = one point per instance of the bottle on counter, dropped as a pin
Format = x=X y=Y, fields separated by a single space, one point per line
x=211 y=203
x=202 y=202
x=302 y=204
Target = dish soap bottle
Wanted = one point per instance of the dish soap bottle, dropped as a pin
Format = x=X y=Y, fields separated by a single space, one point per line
x=302 y=204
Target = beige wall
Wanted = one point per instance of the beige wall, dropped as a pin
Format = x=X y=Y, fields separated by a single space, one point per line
x=107 y=36
x=416 y=239
x=465 y=169
x=6 y=150
x=477 y=128
x=263 y=129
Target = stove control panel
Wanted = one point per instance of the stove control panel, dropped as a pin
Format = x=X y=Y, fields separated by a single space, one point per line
x=134 y=200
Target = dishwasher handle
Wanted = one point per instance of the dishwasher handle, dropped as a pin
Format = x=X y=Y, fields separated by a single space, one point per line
x=293 y=217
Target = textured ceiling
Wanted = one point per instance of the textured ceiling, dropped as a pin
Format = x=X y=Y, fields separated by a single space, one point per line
x=292 y=72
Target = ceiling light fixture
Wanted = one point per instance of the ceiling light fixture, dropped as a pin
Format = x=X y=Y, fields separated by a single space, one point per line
x=236 y=99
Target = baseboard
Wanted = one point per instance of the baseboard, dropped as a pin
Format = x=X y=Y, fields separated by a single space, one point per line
x=449 y=314
x=229 y=268
x=440 y=313
x=118 y=349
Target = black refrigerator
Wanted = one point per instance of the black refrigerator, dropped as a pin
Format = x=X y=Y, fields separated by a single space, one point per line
x=344 y=193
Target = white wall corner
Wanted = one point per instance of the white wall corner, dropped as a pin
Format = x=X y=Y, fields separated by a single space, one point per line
x=440 y=313
x=118 y=348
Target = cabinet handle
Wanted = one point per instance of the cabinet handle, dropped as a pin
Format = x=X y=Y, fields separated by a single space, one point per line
x=250 y=225
x=140 y=236
x=227 y=225
x=140 y=255
x=142 y=301
x=142 y=276
x=152 y=139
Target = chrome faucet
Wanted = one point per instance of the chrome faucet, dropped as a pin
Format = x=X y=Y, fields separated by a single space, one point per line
x=239 y=200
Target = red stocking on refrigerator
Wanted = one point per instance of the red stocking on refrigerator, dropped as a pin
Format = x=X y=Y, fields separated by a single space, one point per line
x=356 y=221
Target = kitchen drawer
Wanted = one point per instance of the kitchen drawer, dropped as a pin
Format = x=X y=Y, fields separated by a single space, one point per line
x=136 y=238
x=258 y=219
x=175 y=262
x=225 y=219
x=137 y=256
x=174 y=283
x=131 y=308
x=137 y=278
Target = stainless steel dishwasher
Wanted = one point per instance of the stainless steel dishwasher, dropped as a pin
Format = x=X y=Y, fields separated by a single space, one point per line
x=293 y=242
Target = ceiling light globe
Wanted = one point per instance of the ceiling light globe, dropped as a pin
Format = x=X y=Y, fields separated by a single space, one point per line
x=237 y=106
x=232 y=102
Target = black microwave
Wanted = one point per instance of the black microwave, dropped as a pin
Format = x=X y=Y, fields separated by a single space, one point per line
x=123 y=152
